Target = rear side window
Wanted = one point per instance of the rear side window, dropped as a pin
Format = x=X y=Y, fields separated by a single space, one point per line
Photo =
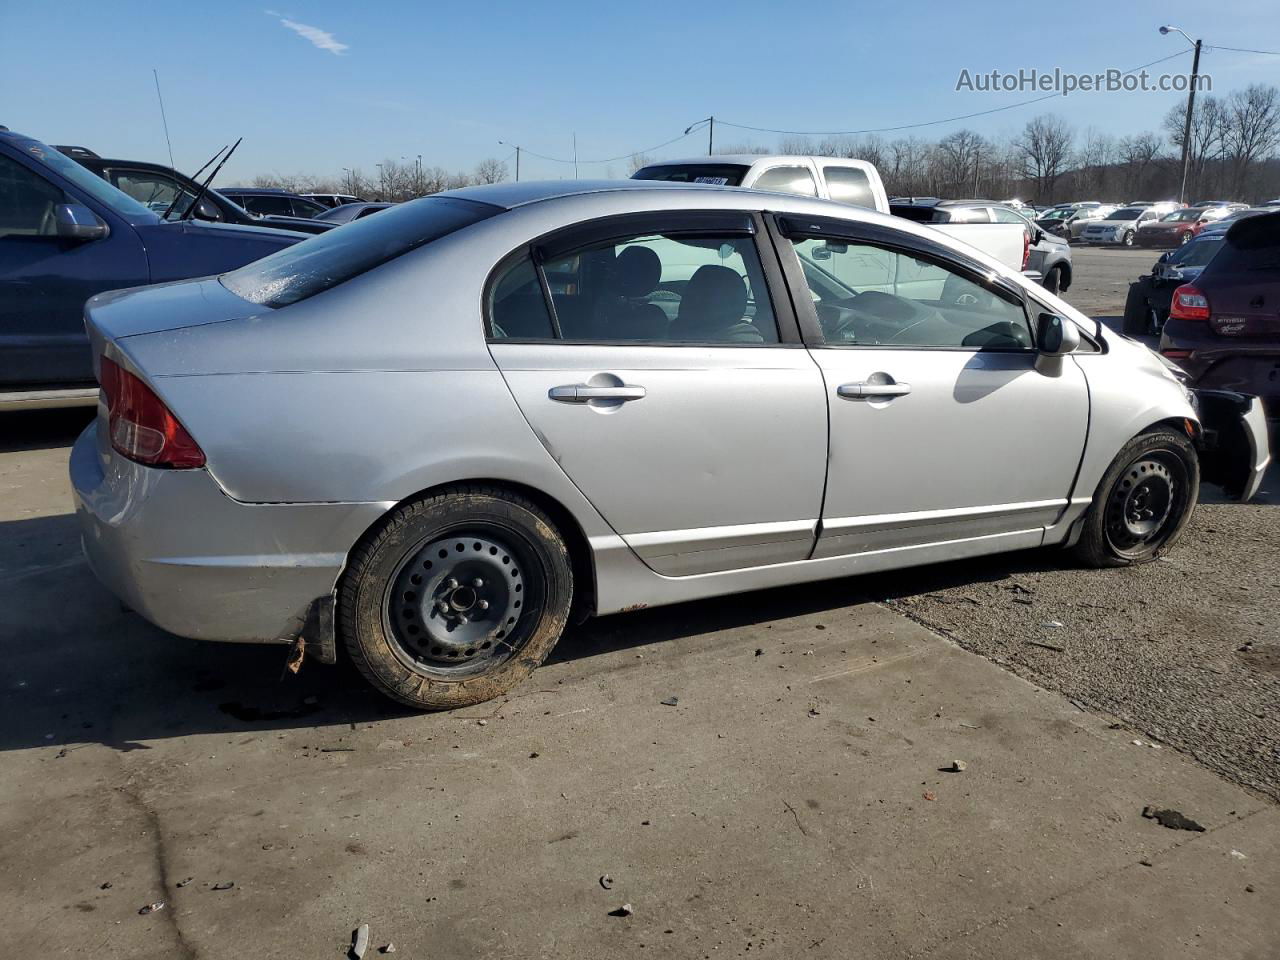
x=850 y=185
x=331 y=258
x=796 y=180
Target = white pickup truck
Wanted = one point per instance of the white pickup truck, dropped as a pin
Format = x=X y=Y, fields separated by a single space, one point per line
x=855 y=182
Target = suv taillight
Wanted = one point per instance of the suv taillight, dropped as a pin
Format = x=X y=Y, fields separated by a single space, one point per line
x=1026 y=248
x=1188 y=304
x=141 y=426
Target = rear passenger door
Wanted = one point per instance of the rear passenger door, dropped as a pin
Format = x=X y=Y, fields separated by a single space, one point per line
x=654 y=358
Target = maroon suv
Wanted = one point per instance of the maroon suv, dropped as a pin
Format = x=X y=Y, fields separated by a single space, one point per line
x=1224 y=329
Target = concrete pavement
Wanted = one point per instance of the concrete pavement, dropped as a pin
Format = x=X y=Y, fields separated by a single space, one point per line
x=789 y=804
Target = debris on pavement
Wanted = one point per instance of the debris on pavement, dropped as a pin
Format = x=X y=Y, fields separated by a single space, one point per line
x=1144 y=743
x=815 y=712
x=294 y=663
x=1248 y=888
x=1047 y=646
x=184 y=881
x=623 y=911
x=606 y=882
x=1053 y=624
x=759 y=651
x=224 y=885
x=105 y=885
x=670 y=701
x=930 y=795
x=535 y=755
x=359 y=942
x=152 y=908
x=1172 y=819
x=956 y=766
x=389 y=948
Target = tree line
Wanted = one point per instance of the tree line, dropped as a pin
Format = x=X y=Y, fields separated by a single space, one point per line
x=1233 y=156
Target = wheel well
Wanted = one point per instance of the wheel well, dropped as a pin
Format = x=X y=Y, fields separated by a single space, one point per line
x=584 y=574
x=1065 y=267
x=1176 y=424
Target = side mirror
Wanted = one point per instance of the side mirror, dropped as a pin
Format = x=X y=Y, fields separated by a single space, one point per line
x=1164 y=257
x=1056 y=336
x=206 y=209
x=1037 y=235
x=77 y=222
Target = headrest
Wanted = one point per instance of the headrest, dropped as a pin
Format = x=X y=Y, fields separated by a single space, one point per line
x=714 y=298
x=638 y=271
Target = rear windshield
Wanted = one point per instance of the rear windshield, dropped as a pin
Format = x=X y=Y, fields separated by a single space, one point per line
x=721 y=174
x=331 y=258
x=1198 y=253
x=1252 y=246
x=1128 y=213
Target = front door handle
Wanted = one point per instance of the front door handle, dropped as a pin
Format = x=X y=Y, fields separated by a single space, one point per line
x=585 y=393
x=870 y=389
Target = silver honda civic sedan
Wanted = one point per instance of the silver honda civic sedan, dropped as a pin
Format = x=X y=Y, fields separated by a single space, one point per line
x=431 y=439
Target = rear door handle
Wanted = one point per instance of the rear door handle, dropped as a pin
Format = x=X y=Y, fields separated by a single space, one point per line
x=585 y=393
x=866 y=390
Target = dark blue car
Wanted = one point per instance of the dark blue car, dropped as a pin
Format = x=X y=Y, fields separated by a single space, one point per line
x=65 y=235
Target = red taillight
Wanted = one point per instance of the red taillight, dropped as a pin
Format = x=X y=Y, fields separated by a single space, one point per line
x=1026 y=248
x=141 y=426
x=1188 y=304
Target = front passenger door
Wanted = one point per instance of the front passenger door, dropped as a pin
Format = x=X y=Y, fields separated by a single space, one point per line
x=942 y=430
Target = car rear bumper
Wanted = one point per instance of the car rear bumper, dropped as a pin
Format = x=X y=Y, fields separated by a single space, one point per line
x=194 y=562
x=1235 y=448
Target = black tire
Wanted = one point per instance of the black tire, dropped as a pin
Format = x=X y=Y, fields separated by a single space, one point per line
x=1136 y=312
x=1053 y=281
x=1127 y=239
x=455 y=598
x=1143 y=503
x=1186 y=238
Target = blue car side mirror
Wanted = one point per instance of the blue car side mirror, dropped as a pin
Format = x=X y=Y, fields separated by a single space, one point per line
x=77 y=222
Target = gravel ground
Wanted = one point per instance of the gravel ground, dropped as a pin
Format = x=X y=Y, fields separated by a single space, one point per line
x=1186 y=650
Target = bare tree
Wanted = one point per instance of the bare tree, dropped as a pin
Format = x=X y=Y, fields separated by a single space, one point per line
x=1136 y=154
x=491 y=170
x=639 y=160
x=743 y=147
x=1208 y=126
x=1252 y=131
x=1045 y=144
x=959 y=156
x=908 y=173
x=1095 y=156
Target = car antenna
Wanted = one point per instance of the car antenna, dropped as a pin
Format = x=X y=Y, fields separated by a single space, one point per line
x=178 y=193
x=204 y=187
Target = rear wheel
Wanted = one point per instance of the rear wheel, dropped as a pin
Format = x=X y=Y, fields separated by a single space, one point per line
x=456 y=598
x=1143 y=503
x=1185 y=238
x=1127 y=239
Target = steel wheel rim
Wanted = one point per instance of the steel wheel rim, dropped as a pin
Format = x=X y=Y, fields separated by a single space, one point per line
x=1145 y=504
x=461 y=603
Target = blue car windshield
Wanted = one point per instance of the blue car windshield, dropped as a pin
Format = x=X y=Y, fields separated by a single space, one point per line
x=90 y=183
x=331 y=258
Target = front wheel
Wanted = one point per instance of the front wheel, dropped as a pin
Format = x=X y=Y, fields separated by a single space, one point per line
x=1127 y=240
x=456 y=597
x=1143 y=503
x=1053 y=281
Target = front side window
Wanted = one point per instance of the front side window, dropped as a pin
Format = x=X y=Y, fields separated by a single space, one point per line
x=664 y=288
x=867 y=295
x=850 y=185
x=797 y=180
x=27 y=202
x=306 y=208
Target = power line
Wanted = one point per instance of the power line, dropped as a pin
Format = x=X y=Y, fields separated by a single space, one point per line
x=928 y=123
x=624 y=156
x=1269 y=53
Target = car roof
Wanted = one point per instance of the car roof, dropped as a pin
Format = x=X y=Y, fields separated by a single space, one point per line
x=275 y=191
x=512 y=195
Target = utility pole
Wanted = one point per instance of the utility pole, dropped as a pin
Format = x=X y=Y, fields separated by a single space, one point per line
x=711 y=134
x=575 y=155
x=1191 y=103
x=347 y=171
x=503 y=143
x=382 y=183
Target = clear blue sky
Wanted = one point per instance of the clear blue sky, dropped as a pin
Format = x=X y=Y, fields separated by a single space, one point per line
x=448 y=81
